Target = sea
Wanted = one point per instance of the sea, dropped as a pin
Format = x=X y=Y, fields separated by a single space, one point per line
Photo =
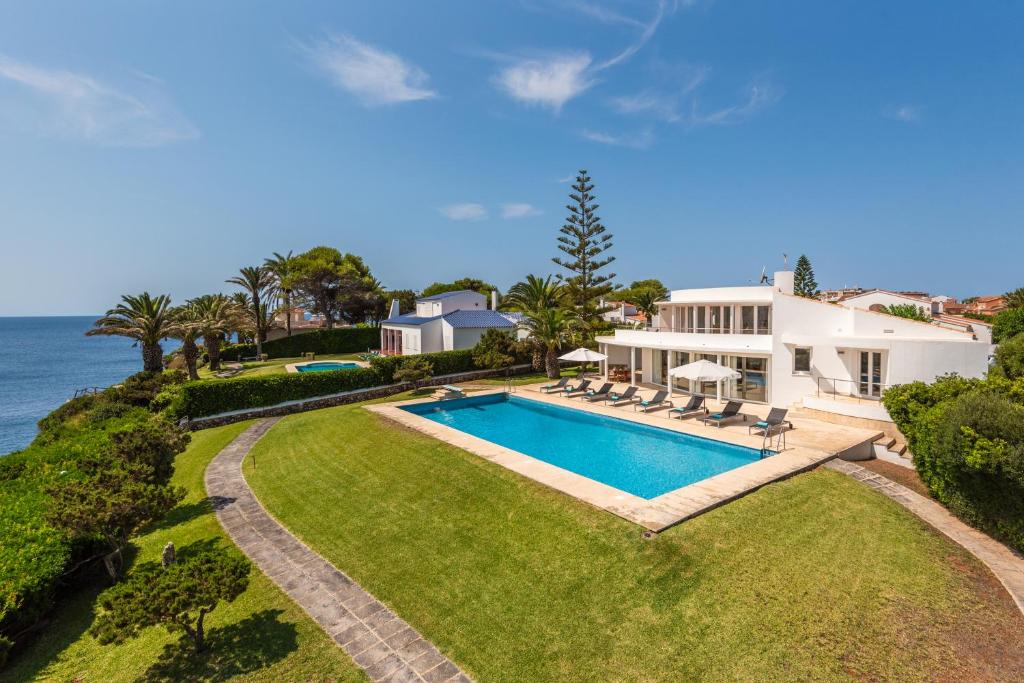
x=43 y=361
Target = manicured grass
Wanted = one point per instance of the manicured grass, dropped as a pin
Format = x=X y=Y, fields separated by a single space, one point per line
x=261 y=636
x=814 y=578
x=274 y=366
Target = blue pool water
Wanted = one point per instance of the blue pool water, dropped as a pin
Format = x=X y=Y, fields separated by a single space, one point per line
x=642 y=460
x=325 y=366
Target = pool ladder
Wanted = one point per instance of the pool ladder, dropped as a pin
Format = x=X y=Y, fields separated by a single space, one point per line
x=766 y=442
x=510 y=386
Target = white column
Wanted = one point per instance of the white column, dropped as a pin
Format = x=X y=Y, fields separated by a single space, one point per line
x=603 y=348
x=632 y=366
x=668 y=377
x=718 y=384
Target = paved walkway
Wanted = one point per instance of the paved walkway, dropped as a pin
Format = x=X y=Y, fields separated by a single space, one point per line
x=1007 y=565
x=386 y=647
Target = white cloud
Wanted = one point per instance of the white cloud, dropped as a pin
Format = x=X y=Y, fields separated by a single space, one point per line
x=664 y=104
x=518 y=210
x=566 y=179
x=905 y=113
x=66 y=104
x=468 y=211
x=759 y=96
x=640 y=140
x=374 y=76
x=547 y=82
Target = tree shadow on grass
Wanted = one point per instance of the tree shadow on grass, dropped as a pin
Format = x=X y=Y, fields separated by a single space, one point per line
x=237 y=649
x=184 y=513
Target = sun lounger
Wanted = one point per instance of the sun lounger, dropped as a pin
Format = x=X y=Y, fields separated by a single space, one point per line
x=582 y=386
x=731 y=410
x=557 y=386
x=598 y=394
x=626 y=396
x=694 y=407
x=659 y=399
x=776 y=418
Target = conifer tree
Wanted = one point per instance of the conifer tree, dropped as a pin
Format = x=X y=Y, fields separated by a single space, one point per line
x=584 y=240
x=804 y=283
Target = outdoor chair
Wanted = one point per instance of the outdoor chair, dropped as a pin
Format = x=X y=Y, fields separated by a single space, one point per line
x=557 y=386
x=695 y=406
x=598 y=394
x=614 y=398
x=776 y=418
x=659 y=399
x=731 y=410
x=582 y=386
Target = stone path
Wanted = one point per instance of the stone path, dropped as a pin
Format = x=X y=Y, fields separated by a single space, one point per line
x=386 y=647
x=1007 y=565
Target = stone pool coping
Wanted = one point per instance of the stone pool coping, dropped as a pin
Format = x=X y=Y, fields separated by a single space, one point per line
x=294 y=367
x=655 y=514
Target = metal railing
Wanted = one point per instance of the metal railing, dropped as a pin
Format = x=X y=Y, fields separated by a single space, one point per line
x=705 y=330
x=859 y=391
x=86 y=391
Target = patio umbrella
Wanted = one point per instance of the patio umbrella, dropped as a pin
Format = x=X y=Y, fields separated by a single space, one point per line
x=703 y=371
x=584 y=355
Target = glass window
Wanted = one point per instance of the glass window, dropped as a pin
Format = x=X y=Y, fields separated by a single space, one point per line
x=727 y=319
x=801 y=359
x=763 y=325
x=746 y=320
x=716 y=319
x=752 y=384
x=702 y=323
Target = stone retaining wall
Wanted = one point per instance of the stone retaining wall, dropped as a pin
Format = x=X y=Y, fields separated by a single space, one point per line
x=342 y=398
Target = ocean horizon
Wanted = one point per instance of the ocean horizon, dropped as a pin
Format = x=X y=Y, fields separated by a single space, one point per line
x=45 y=359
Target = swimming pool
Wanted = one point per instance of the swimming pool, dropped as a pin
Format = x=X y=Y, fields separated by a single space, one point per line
x=639 y=459
x=323 y=366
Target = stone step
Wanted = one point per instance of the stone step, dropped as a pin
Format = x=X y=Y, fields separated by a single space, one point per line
x=899 y=449
x=886 y=442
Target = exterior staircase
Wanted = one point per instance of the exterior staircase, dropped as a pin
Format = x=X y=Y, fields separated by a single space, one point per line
x=891 y=446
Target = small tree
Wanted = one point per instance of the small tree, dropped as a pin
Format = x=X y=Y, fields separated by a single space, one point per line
x=1007 y=325
x=496 y=349
x=908 y=311
x=178 y=596
x=1010 y=358
x=804 y=283
x=583 y=240
x=414 y=369
x=1015 y=299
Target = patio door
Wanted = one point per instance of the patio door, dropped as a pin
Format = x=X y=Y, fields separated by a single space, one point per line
x=869 y=374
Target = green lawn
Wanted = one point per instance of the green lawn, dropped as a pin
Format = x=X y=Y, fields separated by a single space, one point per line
x=275 y=366
x=814 y=578
x=261 y=636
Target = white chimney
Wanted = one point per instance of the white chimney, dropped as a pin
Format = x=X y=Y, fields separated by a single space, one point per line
x=784 y=281
x=494 y=299
x=394 y=311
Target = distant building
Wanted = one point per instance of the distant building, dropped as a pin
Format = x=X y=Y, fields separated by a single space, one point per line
x=300 y=323
x=443 y=322
x=832 y=296
x=622 y=313
x=986 y=305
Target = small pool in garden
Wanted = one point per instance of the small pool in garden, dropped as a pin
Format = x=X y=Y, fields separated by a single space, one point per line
x=637 y=458
x=326 y=365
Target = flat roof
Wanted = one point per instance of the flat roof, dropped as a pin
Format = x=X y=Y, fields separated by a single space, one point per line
x=712 y=295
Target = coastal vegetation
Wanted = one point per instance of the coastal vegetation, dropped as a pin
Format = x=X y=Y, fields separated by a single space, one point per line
x=146 y=319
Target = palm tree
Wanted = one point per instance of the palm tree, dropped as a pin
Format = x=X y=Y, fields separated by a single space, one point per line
x=549 y=328
x=188 y=327
x=219 y=316
x=534 y=294
x=145 y=319
x=284 y=272
x=258 y=282
x=646 y=301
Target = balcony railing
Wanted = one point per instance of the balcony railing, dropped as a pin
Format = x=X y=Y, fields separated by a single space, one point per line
x=705 y=330
x=852 y=390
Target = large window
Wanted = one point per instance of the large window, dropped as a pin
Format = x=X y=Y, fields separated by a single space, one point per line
x=680 y=358
x=752 y=384
x=763 y=320
x=746 y=320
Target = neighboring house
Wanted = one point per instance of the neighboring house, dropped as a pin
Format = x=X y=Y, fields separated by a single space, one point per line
x=790 y=349
x=300 y=323
x=880 y=299
x=622 y=313
x=834 y=295
x=986 y=305
x=444 y=322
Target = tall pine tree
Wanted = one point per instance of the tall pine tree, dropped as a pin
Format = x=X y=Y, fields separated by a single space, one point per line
x=584 y=240
x=804 y=283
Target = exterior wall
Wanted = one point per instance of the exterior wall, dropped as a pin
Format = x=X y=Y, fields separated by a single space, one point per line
x=432 y=336
x=880 y=298
x=462 y=301
x=455 y=339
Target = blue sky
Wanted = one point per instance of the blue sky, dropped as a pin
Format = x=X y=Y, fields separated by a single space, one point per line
x=161 y=146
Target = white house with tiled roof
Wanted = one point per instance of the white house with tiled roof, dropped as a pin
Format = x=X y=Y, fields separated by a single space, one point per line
x=790 y=350
x=443 y=322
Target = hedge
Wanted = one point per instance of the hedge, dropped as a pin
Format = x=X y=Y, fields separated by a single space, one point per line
x=967 y=440
x=443 y=363
x=333 y=341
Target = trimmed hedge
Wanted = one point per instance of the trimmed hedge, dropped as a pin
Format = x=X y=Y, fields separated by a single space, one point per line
x=333 y=341
x=443 y=362
x=967 y=439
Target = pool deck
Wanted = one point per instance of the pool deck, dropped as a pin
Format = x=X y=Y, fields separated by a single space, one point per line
x=810 y=444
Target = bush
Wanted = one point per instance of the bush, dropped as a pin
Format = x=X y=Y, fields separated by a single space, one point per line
x=443 y=362
x=1008 y=324
x=1010 y=358
x=333 y=341
x=500 y=349
x=414 y=369
x=211 y=397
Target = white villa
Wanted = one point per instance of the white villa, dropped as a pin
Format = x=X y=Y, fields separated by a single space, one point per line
x=443 y=322
x=790 y=350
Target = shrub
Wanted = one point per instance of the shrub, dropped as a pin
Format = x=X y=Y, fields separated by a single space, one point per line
x=414 y=369
x=211 y=397
x=1007 y=324
x=333 y=341
x=499 y=349
x=443 y=362
x=1010 y=358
